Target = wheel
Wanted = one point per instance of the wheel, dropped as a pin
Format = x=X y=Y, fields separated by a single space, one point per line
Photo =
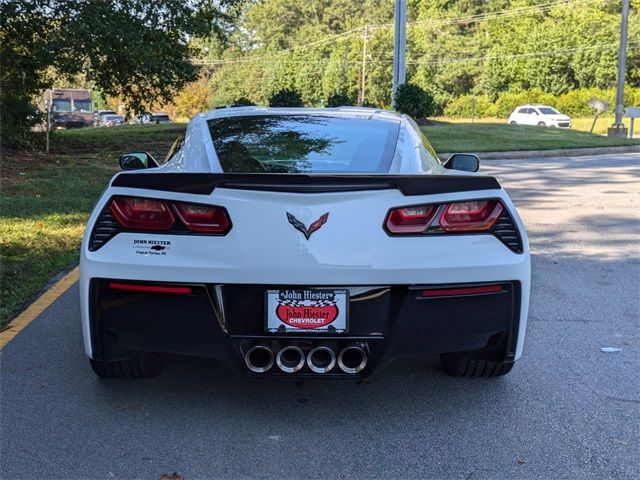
x=542 y=124
x=512 y=122
x=143 y=365
x=458 y=365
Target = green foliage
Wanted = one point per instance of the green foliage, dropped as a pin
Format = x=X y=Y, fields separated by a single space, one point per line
x=242 y=102
x=316 y=48
x=414 y=101
x=462 y=107
x=285 y=98
x=136 y=50
x=340 y=99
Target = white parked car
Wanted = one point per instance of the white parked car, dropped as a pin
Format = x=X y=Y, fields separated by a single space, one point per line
x=541 y=115
x=303 y=242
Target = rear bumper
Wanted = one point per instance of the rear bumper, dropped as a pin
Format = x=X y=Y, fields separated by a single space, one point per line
x=224 y=321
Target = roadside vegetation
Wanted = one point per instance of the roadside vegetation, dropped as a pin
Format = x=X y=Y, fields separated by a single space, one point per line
x=45 y=202
x=501 y=137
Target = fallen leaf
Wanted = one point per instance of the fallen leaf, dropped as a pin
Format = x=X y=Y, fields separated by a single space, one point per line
x=173 y=476
x=521 y=461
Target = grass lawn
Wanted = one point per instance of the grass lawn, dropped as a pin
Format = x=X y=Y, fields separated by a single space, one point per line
x=45 y=203
x=501 y=137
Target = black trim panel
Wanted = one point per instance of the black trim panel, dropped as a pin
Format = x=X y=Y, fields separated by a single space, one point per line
x=205 y=183
x=397 y=324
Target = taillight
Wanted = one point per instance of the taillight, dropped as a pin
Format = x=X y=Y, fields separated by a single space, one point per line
x=203 y=218
x=142 y=213
x=135 y=213
x=468 y=216
x=472 y=216
x=410 y=219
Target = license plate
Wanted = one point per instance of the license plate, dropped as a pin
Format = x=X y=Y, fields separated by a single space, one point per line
x=308 y=311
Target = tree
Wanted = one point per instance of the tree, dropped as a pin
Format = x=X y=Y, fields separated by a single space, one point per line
x=285 y=98
x=137 y=50
x=193 y=99
x=414 y=101
x=340 y=99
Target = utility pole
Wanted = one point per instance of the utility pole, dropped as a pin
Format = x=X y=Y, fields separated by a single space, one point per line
x=399 y=48
x=49 y=105
x=618 y=129
x=364 y=66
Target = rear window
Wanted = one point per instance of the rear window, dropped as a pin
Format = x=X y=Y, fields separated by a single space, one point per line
x=303 y=144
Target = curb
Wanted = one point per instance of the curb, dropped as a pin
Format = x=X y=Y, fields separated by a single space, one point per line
x=572 y=152
x=56 y=287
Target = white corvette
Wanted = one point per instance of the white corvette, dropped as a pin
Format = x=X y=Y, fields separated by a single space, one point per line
x=303 y=242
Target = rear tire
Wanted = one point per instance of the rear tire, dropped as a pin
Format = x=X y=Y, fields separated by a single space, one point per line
x=512 y=122
x=142 y=365
x=458 y=365
x=542 y=124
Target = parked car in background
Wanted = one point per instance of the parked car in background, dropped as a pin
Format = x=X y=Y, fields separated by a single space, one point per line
x=70 y=107
x=99 y=115
x=541 y=115
x=158 y=117
x=110 y=120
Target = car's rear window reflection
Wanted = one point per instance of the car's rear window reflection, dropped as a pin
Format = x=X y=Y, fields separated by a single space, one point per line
x=304 y=144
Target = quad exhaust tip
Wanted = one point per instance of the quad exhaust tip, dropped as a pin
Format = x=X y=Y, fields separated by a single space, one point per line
x=352 y=359
x=259 y=358
x=321 y=359
x=290 y=359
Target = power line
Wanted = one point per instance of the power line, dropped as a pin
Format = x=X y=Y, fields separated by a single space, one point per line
x=632 y=45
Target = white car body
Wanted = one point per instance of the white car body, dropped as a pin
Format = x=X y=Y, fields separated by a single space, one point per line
x=541 y=115
x=351 y=251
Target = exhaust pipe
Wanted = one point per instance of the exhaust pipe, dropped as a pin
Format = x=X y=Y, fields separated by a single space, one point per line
x=321 y=359
x=290 y=359
x=352 y=359
x=259 y=358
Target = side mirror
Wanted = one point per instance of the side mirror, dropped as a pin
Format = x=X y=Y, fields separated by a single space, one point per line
x=463 y=161
x=137 y=161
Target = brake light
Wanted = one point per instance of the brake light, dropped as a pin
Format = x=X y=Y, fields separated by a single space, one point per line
x=203 y=218
x=142 y=213
x=472 y=216
x=410 y=219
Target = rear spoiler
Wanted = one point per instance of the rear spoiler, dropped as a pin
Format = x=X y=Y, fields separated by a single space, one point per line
x=205 y=183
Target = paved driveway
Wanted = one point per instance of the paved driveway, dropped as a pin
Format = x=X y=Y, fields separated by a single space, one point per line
x=566 y=410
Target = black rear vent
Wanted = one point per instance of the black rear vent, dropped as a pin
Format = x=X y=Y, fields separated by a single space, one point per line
x=105 y=229
x=507 y=232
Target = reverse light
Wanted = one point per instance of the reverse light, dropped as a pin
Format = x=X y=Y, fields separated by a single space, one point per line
x=472 y=216
x=203 y=218
x=142 y=213
x=410 y=219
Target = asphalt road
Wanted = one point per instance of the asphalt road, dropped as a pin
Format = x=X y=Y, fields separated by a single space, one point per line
x=567 y=410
